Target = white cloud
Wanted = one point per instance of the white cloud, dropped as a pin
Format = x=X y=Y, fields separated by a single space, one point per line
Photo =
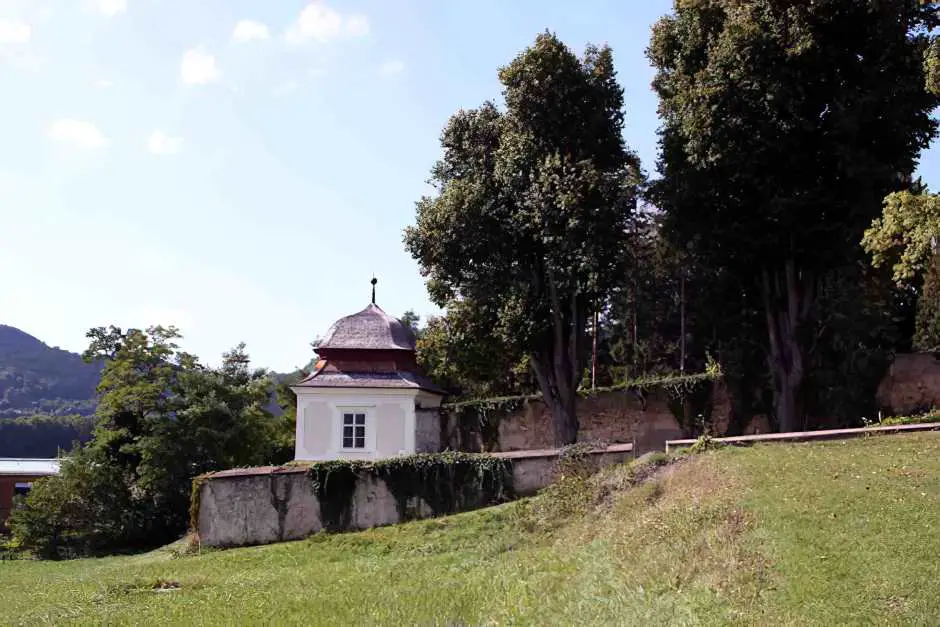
x=76 y=132
x=109 y=8
x=27 y=60
x=103 y=83
x=198 y=68
x=319 y=22
x=357 y=26
x=159 y=143
x=391 y=67
x=285 y=89
x=249 y=30
x=14 y=31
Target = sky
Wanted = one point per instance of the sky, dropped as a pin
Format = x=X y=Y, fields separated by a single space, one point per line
x=242 y=168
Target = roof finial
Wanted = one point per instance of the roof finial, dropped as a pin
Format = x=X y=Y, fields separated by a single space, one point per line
x=374 y=281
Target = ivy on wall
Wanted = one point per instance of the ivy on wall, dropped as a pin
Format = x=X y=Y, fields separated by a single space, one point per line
x=483 y=416
x=444 y=482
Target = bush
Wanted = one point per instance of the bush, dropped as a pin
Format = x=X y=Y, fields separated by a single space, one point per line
x=83 y=510
x=910 y=420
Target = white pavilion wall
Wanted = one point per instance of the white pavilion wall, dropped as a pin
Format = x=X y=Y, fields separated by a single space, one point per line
x=390 y=423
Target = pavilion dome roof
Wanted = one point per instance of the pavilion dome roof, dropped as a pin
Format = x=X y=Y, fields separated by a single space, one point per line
x=370 y=329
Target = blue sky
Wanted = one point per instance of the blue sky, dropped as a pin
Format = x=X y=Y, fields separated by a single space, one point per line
x=242 y=168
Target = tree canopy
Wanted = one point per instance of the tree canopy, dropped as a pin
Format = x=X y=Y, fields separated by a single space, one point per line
x=906 y=235
x=162 y=419
x=528 y=223
x=784 y=125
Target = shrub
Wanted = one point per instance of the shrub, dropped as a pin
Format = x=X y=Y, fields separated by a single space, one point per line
x=705 y=443
x=910 y=420
x=83 y=510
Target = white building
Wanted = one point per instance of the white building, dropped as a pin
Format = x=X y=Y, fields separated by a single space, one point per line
x=366 y=398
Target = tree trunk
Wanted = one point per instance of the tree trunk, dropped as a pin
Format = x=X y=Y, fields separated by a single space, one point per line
x=561 y=402
x=787 y=301
x=740 y=414
x=594 y=353
x=682 y=321
x=635 y=323
x=557 y=365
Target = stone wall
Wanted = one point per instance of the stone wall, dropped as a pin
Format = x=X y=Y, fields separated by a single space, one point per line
x=911 y=386
x=247 y=506
x=611 y=417
x=427 y=430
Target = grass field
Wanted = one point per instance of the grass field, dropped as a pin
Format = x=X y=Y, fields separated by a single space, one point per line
x=828 y=533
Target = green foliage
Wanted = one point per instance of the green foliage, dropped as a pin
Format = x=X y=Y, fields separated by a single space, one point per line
x=527 y=225
x=195 y=498
x=910 y=420
x=932 y=66
x=411 y=320
x=163 y=419
x=640 y=330
x=80 y=511
x=578 y=460
x=905 y=236
x=927 y=329
x=444 y=482
x=783 y=127
x=857 y=327
x=460 y=352
x=43 y=436
x=37 y=379
x=705 y=443
x=285 y=424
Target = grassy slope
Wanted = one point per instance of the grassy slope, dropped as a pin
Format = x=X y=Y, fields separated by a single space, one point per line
x=843 y=532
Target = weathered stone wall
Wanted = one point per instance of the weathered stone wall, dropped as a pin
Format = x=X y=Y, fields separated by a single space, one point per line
x=612 y=417
x=263 y=505
x=912 y=384
x=427 y=430
x=237 y=507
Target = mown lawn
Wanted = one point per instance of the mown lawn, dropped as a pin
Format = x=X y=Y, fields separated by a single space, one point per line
x=833 y=533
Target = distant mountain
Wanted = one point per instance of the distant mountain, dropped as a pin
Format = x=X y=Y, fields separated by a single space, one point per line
x=38 y=379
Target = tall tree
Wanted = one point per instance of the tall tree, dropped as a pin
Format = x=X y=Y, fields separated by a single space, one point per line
x=784 y=124
x=163 y=418
x=529 y=218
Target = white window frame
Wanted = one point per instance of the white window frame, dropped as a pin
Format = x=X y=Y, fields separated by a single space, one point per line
x=369 y=440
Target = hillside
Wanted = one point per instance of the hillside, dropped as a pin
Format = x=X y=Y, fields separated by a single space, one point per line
x=826 y=533
x=38 y=379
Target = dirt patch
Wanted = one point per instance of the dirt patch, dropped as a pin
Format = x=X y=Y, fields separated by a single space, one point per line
x=153 y=586
x=649 y=469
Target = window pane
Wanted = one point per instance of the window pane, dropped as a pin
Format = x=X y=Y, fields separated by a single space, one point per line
x=360 y=432
x=360 y=442
x=360 y=419
x=347 y=442
x=347 y=432
x=347 y=419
